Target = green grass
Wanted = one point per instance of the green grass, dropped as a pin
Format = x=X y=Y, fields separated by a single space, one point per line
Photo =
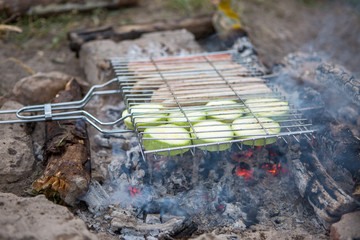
x=189 y=7
x=54 y=29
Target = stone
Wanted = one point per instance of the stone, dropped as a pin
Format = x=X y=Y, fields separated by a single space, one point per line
x=16 y=155
x=347 y=228
x=40 y=88
x=38 y=218
x=94 y=55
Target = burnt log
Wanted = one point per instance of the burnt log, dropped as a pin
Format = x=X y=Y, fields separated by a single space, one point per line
x=339 y=81
x=49 y=7
x=328 y=200
x=181 y=231
x=67 y=153
x=174 y=228
x=200 y=26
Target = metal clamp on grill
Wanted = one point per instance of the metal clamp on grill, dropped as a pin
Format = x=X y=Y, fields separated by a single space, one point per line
x=47 y=110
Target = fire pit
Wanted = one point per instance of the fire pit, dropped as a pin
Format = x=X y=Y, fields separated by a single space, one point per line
x=244 y=190
x=236 y=186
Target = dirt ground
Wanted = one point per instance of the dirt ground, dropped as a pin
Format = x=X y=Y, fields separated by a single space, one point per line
x=329 y=28
x=276 y=28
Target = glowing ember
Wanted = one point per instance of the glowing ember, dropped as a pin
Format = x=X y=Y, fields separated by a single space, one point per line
x=273 y=154
x=220 y=208
x=239 y=156
x=248 y=153
x=133 y=191
x=247 y=173
x=275 y=169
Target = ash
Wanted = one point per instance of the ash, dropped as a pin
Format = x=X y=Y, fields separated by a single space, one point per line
x=232 y=192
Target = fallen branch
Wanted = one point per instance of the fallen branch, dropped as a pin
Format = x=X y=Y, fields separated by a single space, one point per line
x=200 y=26
x=67 y=154
x=49 y=7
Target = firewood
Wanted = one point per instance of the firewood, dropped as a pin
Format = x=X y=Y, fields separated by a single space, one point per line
x=67 y=153
x=49 y=7
x=200 y=26
x=329 y=201
x=183 y=231
x=124 y=220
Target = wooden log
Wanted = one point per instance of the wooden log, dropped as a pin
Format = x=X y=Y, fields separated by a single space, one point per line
x=49 y=7
x=67 y=154
x=200 y=26
x=356 y=193
x=124 y=220
x=182 y=231
x=177 y=227
x=339 y=81
x=329 y=201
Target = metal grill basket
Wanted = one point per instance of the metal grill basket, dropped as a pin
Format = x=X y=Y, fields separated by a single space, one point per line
x=154 y=89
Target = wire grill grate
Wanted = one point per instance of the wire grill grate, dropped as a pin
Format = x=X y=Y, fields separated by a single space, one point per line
x=163 y=94
x=186 y=84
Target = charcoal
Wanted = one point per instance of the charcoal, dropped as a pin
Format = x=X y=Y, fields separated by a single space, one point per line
x=96 y=198
x=117 y=165
x=162 y=206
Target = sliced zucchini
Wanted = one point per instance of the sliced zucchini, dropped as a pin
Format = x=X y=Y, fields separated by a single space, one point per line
x=212 y=132
x=179 y=119
x=166 y=136
x=268 y=107
x=250 y=128
x=144 y=115
x=228 y=110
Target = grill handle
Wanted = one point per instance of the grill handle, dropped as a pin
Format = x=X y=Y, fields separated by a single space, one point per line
x=67 y=111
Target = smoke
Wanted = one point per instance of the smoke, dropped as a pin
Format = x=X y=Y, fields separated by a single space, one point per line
x=338 y=38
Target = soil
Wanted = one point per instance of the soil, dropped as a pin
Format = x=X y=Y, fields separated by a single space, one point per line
x=330 y=28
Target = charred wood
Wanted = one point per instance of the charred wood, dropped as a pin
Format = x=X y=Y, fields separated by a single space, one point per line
x=200 y=26
x=66 y=153
x=48 y=7
x=162 y=206
x=123 y=219
x=339 y=79
x=329 y=200
x=338 y=141
x=356 y=193
x=182 y=231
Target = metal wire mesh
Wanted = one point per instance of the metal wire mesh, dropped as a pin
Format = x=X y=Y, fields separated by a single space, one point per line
x=212 y=90
x=176 y=104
